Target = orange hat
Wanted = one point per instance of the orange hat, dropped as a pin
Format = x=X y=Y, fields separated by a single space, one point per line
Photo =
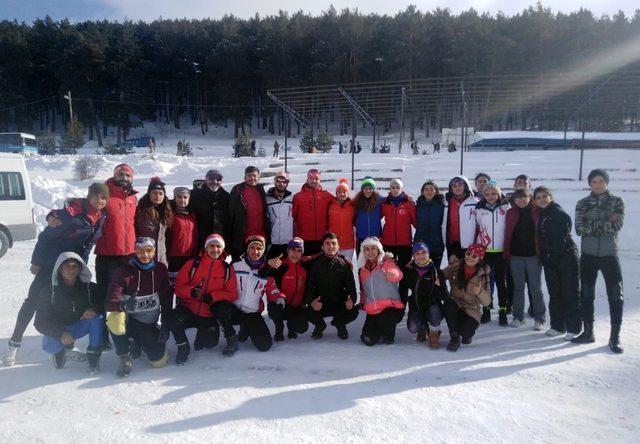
x=343 y=185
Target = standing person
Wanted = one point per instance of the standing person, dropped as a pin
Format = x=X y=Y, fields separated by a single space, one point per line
x=599 y=218
x=459 y=220
x=429 y=220
x=368 y=220
x=559 y=256
x=66 y=311
x=491 y=215
x=480 y=181
x=428 y=291
x=285 y=303
x=248 y=212
x=331 y=290
x=470 y=292
x=341 y=214
x=117 y=243
x=182 y=243
x=209 y=203
x=521 y=252
x=276 y=149
x=77 y=228
x=205 y=286
x=248 y=307
x=310 y=206
x=139 y=295
x=379 y=277
x=154 y=217
x=279 y=210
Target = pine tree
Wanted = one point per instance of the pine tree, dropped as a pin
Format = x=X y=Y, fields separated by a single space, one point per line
x=73 y=138
x=324 y=142
x=306 y=142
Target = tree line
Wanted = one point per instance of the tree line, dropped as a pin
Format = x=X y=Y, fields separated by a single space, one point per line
x=122 y=74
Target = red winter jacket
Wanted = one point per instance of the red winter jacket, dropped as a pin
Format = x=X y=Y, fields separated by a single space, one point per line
x=341 y=217
x=398 y=221
x=290 y=280
x=217 y=279
x=511 y=220
x=310 y=209
x=119 y=232
x=184 y=234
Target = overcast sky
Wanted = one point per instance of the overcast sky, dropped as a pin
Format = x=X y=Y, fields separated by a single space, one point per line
x=148 y=10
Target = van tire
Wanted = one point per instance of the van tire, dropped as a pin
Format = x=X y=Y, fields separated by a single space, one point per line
x=4 y=243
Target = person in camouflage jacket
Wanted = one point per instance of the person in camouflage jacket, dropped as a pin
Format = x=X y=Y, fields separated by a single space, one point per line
x=599 y=218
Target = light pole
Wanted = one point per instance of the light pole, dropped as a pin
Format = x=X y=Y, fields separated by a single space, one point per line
x=68 y=97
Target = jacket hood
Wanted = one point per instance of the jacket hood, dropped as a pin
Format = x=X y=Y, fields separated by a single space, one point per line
x=502 y=201
x=85 y=273
x=467 y=185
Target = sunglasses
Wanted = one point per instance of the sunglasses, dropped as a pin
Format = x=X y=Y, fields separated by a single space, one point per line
x=279 y=180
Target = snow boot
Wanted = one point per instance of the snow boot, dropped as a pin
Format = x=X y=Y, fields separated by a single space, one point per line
x=93 y=358
x=421 y=336
x=466 y=341
x=279 y=334
x=182 y=355
x=60 y=358
x=342 y=331
x=454 y=343
x=126 y=364
x=368 y=340
x=614 y=339
x=232 y=346
x=292 y=334
x=434 y=336
x=586 y=337
x=317 y=331
x=502 y=317
x=486 y=315
x=9 y=357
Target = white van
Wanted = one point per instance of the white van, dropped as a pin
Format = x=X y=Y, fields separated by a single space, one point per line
x=16 y=206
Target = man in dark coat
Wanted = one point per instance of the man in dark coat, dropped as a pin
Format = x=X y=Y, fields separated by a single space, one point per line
x=210 y=205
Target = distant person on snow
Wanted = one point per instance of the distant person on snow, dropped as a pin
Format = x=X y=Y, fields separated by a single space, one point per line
x=276 y=149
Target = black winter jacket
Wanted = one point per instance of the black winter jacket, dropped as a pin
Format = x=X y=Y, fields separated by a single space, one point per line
x=238 y=218
x=554 y=234
x=331 y=279
x=211 y=210
x=424 y=291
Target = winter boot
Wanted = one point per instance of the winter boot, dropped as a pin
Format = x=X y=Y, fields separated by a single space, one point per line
x=466 y=341
x=614 y=339
x=342 y=331
x=421 y=336
x=183 y=353
x=60 y=358
x=502 y=317
x=93 y=358
x=292 y=334
x=9 y=357
x=586 y=337
x=232 y=346
x=126 y=364
x=454 y=343
x=486 y=315
x=434 y=336
x=317 y=331
x=135 y=349
x=279 y=334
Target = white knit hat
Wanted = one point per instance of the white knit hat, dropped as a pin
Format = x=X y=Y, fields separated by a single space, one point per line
x=397 y=181
x=370 y=241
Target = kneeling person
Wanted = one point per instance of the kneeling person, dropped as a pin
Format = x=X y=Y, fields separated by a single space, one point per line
x=379 y=293
x=139 y=294
x=202 y=285
x=66 y=311
x=330 y=289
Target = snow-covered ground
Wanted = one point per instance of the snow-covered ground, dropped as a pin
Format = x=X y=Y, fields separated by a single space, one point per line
x=508 y=386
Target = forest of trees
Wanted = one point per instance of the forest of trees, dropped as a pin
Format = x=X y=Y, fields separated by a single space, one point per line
x=121 y=74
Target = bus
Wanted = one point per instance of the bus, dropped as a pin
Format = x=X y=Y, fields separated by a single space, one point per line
x=19 y=143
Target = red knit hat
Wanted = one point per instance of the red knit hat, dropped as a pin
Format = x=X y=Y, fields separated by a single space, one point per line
x=343 y=185
x=477 y=249
x=122 y=167
x=214 y=238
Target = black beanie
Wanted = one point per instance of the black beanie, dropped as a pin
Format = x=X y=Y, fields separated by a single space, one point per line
x=598 y=172
x=156 y=184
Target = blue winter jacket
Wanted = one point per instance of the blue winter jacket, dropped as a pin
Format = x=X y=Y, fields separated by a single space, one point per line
x=429 y=215
x=77 y=233
x=369 y=223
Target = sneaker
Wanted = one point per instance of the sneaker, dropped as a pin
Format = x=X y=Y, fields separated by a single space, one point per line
x=126 y=364
x=59 y=359
x=182 y=354
x=552 y=332
x=421 y=336
x=539 y=326
x=517 y=323
x=232 y=346
x=434 y=336
x=342 y=332
x=9 y=357
x=569 y=336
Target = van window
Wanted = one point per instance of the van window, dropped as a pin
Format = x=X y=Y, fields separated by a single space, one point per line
x=11 y=186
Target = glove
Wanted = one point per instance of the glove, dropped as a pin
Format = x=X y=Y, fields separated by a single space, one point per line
x=163 y=335
x=196 y=292
x=280 y=301
x=207 y=298
x=129 y=305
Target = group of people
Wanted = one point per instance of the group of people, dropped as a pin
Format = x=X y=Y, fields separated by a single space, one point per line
x=214 y=260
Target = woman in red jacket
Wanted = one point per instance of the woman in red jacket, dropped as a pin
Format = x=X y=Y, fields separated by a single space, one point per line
x=201 y=284
x=341 y=215
x=399 y=213
x=182 y=239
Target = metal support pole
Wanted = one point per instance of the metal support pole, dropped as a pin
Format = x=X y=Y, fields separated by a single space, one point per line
x=464 y=115
x=286 y=136
x=353 y=152
x=400 y=139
